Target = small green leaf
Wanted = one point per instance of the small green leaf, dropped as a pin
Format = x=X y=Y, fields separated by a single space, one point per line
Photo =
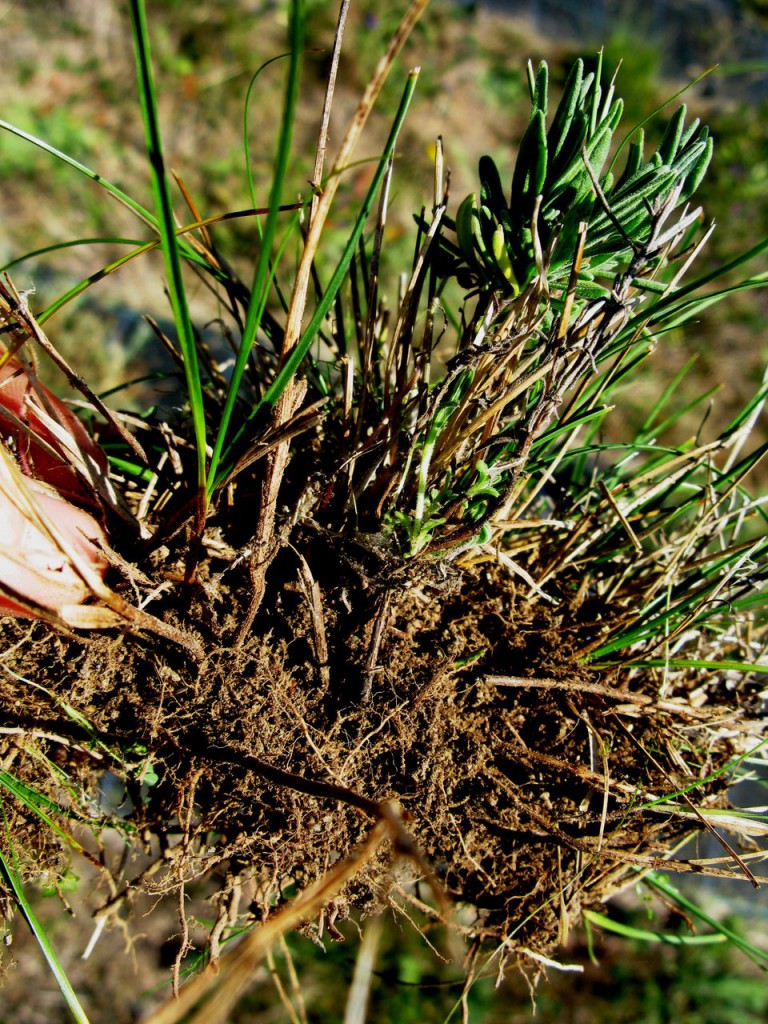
x=541 y=89
x=530 y=169
x=670 y=141
x=694 y=176
x=634 y=159
x=566 y=110
x=464 y=218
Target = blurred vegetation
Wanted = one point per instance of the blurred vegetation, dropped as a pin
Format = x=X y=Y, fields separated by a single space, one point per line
x=626 y=983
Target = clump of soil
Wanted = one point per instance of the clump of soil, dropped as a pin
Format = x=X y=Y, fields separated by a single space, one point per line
x=525 y=779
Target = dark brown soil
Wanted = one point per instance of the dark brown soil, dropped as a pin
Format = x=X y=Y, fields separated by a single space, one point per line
x=523 y=778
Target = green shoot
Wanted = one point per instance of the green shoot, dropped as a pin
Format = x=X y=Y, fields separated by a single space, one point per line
x=10 y=873
x=263 y=273
x=169 y=243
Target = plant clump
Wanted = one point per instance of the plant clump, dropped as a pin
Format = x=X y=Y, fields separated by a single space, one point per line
x=388 y=569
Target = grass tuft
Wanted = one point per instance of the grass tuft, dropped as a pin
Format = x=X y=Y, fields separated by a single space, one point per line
x=395 y=561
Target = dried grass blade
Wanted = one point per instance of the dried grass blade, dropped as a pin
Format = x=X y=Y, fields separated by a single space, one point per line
x=322 y=142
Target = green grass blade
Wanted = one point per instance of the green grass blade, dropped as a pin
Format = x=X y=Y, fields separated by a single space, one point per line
x=167 y=228
x=693 y=605
x=56 y=246
x=249 y=171
x=122 y=197
x=141 y=212
x=750 y=408
x=657 y=110
x=297 y=355
x=664 y=398
x=10 y=874
x=246 y=118
x=566 y=429
x=264 y=272
x=643 y=935
x=130 y=468
x=683 y=313
x=71 y=713
x=711 y=666
x=660 y=884
x=86 y=283
x=696 y=286
x=141 y=247
x=38 y=805
x=82 y=286
x=726 y=769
